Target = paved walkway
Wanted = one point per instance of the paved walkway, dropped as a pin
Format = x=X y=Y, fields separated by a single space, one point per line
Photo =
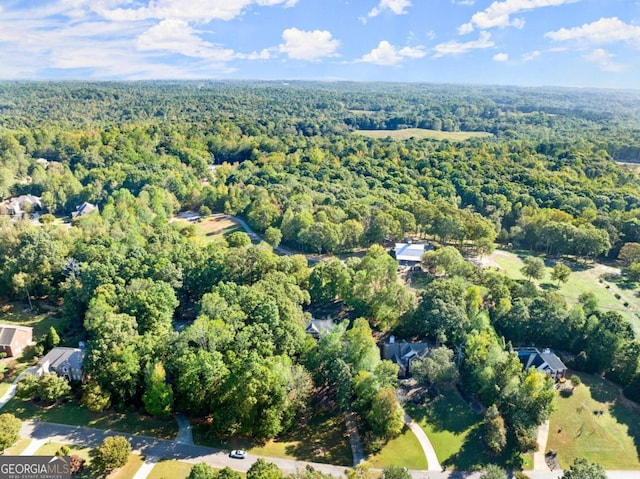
x=184 y=430
x=429 y=452
x=11 y=392
x=33 y=446
x=146 y=468
x=357 y=449
x=539 y=460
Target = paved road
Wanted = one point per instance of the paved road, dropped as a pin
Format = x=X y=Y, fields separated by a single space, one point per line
x=539 y=460
x=429 y=452
x=184 y=430
x=153 y=447
x=252 y=234
x=357 y=449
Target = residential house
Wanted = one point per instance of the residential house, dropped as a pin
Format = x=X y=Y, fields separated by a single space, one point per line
x=544 y=360
x=18 y=205
x=83 y=209
x=410 y=254
x=65 y=362
x=319 y=327
x=403 y=353
x=13 y=339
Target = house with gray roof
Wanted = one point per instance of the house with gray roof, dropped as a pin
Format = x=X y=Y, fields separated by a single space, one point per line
x=410 y=254
x=319 y=327
x=403 y=353
x=83 y=209
x=544 y=360
x=65 y=362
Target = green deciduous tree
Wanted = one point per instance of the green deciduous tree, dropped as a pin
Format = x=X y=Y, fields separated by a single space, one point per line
x=202 y=471
x=533 y=268
x=560 y=273
x=495 y=433
x=584 y=469
x=262 y=469
x=437 y=367
x=9 y=430
x=112 y=453
x=158 y=395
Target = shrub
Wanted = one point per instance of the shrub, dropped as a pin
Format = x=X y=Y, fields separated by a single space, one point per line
x=575 y=380
x=617 y=296
x=63 y=451
x=113 y=453
x=77 y=464
x=9 y=430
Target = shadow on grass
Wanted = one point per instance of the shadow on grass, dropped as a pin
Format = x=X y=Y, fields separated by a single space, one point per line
x=447 y=413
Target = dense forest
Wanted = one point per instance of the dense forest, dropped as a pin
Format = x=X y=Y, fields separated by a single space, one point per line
x=284 y=158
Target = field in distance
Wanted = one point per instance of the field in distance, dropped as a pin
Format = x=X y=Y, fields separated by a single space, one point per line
x=407 y=133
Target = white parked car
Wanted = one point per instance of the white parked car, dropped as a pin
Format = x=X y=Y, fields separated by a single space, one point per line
x=238 y=454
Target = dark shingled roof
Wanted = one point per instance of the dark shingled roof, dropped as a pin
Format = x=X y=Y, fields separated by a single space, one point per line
x=58 y=356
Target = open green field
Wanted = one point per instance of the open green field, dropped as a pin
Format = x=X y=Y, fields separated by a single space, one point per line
x=404 y=450
x=451 y=427
x=13 y=313
x=592 y=277
x=74 y=415
x=318 y=438
x=18 y=447
x=170 y=469
x=578 y=429
x=454 y=431
x=407 y=133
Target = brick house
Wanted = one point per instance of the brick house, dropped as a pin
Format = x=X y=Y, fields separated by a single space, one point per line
x=13 y=339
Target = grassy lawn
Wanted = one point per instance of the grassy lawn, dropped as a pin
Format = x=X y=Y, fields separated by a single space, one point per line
x=451 y=426
x=12 y=313
x=125 y=472
x=129 y=469
x=18 y=447
x=74 y=415
x=321 y=437
x=4 y=387
x=584 y=278
x=423 y=133
x=404 y=451
x=170 y=469
x=577 y=430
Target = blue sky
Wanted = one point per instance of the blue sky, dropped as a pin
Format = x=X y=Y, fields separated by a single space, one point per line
x=585 y=43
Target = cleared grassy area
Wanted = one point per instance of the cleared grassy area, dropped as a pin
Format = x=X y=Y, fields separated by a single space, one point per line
x=129 y=469
x=13 y=313
x=452 y=429
x=18 y=447
x=584 y=278
x=170 y=469
x=74 y=415
x=404 y=451
x=50 y=448
x=320 y=437
x=407 y=133
x=597 y=423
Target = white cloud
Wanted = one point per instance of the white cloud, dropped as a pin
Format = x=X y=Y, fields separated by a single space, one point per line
x=386 y=54
x=308 y=45
x=398 y=7
x=501 y=57
x=176 y=36
x=455 y=48
x=191 y=10
x=605 y=30
x=465 y=28
x=498 y=14
x=527 y=57
x=604 y=59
